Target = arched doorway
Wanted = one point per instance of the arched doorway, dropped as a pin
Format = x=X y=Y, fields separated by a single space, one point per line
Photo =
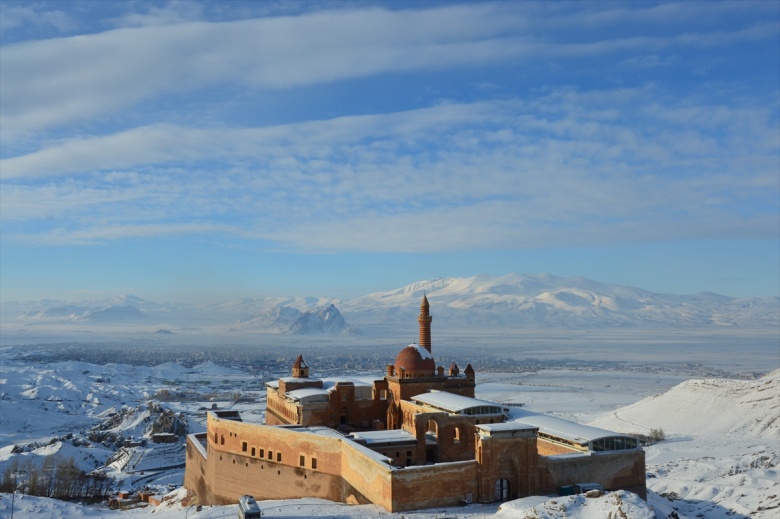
x=502 y=490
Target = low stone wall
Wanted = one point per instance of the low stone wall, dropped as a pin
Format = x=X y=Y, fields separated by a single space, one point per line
x=612 y=469
x=429 y=486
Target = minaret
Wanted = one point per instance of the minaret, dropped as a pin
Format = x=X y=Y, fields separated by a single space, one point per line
x=425 y=324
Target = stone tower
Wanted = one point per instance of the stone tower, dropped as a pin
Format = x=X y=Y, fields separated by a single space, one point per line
x=425 y=324
x=300 y=369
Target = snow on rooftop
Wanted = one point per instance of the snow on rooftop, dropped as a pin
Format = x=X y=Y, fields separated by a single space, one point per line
x=331 y=382
x=309 y=394
x=506 y=426
x=388 y=436
x=559 y=427
x=288 y=380
x=316 y=429
x=551 y=425
x=452 y=402
x=425 y=354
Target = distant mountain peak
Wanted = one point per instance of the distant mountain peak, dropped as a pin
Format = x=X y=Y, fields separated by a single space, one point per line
x=548 y=301
x=284 y=319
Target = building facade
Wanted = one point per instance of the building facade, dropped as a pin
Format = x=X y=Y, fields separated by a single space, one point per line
x=415 y=437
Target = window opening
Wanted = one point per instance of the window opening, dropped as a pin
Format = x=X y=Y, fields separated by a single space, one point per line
x=432 y=428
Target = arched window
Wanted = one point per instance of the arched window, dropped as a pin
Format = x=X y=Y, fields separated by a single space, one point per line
x=432 y=428
x=456 y=435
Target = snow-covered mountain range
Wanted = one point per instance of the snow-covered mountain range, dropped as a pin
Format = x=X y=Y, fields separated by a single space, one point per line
x=549 y=301
x=506 y=302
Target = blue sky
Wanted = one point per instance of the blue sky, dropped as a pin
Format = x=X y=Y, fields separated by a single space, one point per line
x=204 y=150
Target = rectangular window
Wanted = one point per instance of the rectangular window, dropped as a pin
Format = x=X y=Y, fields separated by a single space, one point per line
x=279 y=457
x=253 y=452
x=262 y=453
x=302 y=461
x=243 y=447
x=271 y=455
x=314 y=463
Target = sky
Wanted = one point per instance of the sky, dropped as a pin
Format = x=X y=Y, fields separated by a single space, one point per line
x=191 y=150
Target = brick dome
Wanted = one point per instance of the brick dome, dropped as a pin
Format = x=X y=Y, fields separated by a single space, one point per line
x=416 y=360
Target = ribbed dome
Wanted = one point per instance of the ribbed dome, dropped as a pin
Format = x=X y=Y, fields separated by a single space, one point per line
x=415 y=359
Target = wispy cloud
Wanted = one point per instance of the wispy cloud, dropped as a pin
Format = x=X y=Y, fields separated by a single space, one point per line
x=51 y=83
x=564 y=168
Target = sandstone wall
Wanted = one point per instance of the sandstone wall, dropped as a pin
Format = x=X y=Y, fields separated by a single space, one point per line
x=613 y=470
x=548 y=448
x=429 y=486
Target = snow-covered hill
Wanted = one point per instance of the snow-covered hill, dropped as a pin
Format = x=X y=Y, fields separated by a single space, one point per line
x=721 y=455
x=718 y=407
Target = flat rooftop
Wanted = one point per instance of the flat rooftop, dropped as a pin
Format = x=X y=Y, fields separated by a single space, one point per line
x=389 y=437
x=458 y=404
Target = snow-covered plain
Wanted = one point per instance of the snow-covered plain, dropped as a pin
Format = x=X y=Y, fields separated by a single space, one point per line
x=717 y=404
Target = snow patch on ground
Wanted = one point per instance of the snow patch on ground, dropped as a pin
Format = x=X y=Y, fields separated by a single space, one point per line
x=612 y=505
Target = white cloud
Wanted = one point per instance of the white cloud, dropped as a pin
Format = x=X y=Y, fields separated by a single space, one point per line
x=562 y=169
x=53 y=82
x=50 y=83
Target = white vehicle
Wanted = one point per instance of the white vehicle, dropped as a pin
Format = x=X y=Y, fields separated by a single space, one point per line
x=248 y=508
